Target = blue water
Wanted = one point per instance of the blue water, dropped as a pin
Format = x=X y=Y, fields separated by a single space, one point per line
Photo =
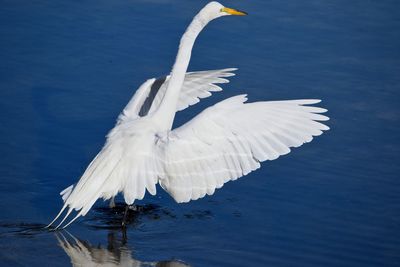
x=69 y=67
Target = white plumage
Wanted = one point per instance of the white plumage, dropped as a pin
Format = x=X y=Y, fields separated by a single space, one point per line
x=222 y=143
x=230 y=139
x=196 y=85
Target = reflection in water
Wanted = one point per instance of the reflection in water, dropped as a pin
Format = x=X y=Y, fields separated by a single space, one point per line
x=81 y=253
x=117 y=253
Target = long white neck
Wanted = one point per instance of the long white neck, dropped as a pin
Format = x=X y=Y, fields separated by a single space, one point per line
x=165 y=114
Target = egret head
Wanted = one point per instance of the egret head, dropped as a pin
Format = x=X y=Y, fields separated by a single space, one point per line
x=215 y=10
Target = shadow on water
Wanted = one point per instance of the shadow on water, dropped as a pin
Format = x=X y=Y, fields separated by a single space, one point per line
x=116 y=253
x=27 y=230
x=107 y=218
x=111 y=218
x=100 y=218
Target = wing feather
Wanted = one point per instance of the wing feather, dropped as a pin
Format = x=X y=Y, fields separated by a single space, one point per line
x=230 y=139
x=197 y=85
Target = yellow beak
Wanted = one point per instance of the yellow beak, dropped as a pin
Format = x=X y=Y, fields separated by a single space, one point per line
x=232 y=11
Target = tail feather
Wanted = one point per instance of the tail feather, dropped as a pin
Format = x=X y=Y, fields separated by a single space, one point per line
x=113 y=170
x=58 y=215
x=84 y=194
x=71 y=221
x=65 y=217
x=66 y=192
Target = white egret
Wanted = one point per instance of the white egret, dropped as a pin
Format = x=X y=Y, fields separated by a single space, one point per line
x=222 y=143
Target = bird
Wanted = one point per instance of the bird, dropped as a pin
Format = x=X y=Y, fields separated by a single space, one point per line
x=225 y=141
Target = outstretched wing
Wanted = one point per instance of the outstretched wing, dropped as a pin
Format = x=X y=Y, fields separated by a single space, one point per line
x=102 y=178
x=230 y=139
x=196 y=85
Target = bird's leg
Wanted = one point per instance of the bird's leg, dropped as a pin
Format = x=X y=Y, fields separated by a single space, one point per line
x=124 y=220
x=111 y=241
x=124 y=236
x=112 y=203
x=133 y=207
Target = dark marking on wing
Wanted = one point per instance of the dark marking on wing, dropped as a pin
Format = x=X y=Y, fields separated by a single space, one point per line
x=155 y=87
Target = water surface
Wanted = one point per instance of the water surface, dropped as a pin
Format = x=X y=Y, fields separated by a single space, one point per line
x=69 y=67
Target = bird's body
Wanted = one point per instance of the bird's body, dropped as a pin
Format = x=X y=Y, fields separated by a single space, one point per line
x=222 y=143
